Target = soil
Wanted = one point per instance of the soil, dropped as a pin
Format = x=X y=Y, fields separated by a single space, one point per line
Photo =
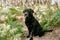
x=54 y=35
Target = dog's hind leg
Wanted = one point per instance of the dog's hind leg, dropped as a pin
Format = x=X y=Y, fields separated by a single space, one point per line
x=41 y=33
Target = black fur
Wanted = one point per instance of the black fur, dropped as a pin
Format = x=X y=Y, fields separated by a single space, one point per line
x=32 y=24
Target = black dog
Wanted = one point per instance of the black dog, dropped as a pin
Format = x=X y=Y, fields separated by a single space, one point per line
x=32 y=24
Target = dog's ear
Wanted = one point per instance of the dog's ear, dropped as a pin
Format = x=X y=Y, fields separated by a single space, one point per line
x=23 y=11
x=31 y=10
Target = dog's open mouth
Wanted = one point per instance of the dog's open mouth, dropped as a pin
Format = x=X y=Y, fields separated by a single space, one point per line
x=25 y=14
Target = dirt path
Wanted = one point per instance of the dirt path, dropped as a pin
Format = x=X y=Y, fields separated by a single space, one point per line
x=55 y=35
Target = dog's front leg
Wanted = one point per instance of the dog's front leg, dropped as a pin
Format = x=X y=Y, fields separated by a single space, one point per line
x=29 y=33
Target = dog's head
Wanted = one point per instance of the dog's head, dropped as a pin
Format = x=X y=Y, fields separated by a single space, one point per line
x=28 y=12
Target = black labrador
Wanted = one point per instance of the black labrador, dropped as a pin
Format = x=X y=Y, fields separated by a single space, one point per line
x=33 y=25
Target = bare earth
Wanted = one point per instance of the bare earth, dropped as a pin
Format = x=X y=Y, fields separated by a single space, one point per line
x=55 y=35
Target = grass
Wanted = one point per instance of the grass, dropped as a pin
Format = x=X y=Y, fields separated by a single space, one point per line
x=11 y=28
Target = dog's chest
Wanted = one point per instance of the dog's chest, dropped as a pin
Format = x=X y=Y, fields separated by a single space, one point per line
x=28 y=21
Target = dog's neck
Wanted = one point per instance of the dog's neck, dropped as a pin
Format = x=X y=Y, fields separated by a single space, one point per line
x=29 y=19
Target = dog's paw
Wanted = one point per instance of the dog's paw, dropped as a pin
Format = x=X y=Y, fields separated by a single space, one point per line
x=31 y=38
x=28 y=36
x=40 y=35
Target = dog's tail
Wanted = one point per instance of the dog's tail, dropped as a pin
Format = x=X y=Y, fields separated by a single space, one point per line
x=48 y=30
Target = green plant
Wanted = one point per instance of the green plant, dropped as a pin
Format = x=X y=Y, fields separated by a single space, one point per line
x=11 y=27
x=53 y=20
